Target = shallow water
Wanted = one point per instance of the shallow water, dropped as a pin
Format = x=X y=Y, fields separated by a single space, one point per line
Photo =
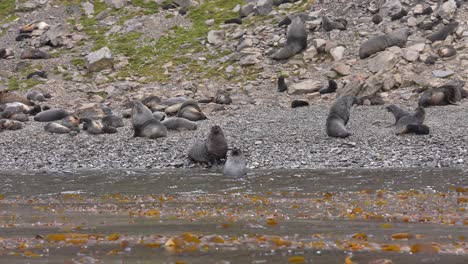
x=267 y=217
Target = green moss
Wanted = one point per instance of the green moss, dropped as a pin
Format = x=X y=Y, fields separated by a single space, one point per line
x=149 y=7
x=7 y=11
x=78 y=62
x=15 y=84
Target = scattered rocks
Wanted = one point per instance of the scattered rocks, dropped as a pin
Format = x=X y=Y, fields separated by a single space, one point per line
x=99 y=60
x=216 y=37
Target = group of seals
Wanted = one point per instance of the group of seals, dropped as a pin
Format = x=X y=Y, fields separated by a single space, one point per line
x=409 y=123
x=449 y=93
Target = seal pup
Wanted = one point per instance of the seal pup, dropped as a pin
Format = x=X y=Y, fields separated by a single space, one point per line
x=51 y=115
x=9 y=97
x=329 y=24
x=71 y=122
x=145 y=124
x=35 y=95
x=222 y=97
x=112 y=121
x=397 y=112
x=429 y=25
x=235 y=20
x=331 y=88
x=374 y=99
x=34 y=54
x=191 y=111
x=412 y=123
x=211 y=150
x=376 y=19
x=177 y=123
x=235 y=165
x=41 y=74
x=96 y=127
x=449 y=93
x=339 y=115
x=55 y=128
x=398 y=15
x=299 y=103
x=380 y=43
x=7 y=124
x=446 y=51
x=443 y=32
x=282 y=86
x=5 y=53
x=296 y=40
x=160 y=116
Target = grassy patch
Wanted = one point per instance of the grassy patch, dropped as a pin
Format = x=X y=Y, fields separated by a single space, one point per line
x=7 y=11
x=15 y=84
x=78 y=62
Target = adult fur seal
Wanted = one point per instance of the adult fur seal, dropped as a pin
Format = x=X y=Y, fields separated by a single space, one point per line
x=96 y=127
x=210 y=150
x=56 y=128
x=6 y=124
x=191 y=111
x=51 y=115
x=235 y=165
x=282 y=87
x=449 y=93
x=177 y=123
x=339 y=115
x=34 y=54
x=397 y=112
x=412 y=123
x=443 y=33
x=380 y=43
x=331 y=88
x=296 y=40
x=374 y=99
x=329 y=24
x=145 y=124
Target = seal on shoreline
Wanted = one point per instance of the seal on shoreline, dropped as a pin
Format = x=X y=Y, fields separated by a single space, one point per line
x=397 y=112
x=7 y=124
x=296 y=40
x=331 y=88
x=96 y=127
x=380 y=43
x=211 y=150
x=282 y=86
x=51 y=115
x=9 y=97
x=449 y=93
x=191 y=111
x=413 y=123
x=235 y=165
x=177 y=123
x=145 y=124
x=56 y=128
x=338 y=116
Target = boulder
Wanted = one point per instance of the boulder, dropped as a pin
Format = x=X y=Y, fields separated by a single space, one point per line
x=99 y=60
x=304 y=87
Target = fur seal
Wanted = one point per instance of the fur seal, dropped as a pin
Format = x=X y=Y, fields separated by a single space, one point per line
x=446 y=51
x=144 y=124
x=41 y=74
x=338 y=116
x=112 y=121
x=56 y=128
x=222 y=97
x=177 y=123
x=331 y=88
x=5 y=53
x=296 y=40
x=96 y=127
x=329 y=24
x=34 y=54
x=210 y=150
x=14 y=116
x=35 y=95
x=152 y=102
x=282 y=86
x=443 y=32
x=374 y=99
x=51 y=115
x=299 y=103
x=38 y=25
x=380 y=43
x=9 y=97
x=191 y=111
x=235 y=165
x=398 y=15
x=72 y=123
x=428 y=25
x=397 y=112
x=449 y=93
x=412 y=123
x=377 y=19
x=235 y=20
x=7 y=124
x=23 y=36
x=160 y=116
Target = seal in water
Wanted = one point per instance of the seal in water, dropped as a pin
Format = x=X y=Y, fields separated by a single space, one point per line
x=212 y=149
x=35 y=95
x=191 y=111
x=299 y=103
x=339 y=115
x=296 y=40
x=412 y=123
x=444 y=32
x=51 y=115
x=380 y=43
x=331 y=88
x=282 y=86
x=56 y=128
x=145 y=124
x=235 y=165
x=177 y=123
x=397 y=112
x=449 y=93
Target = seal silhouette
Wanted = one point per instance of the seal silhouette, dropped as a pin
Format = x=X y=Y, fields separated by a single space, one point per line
x=211 y=150
x=412 y=123
x=296 y=40
x=191 y=111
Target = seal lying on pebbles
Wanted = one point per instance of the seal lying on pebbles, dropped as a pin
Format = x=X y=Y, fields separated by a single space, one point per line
x=446 y=51
x=331 y=88
x=177 y=123
x=299 y=103
x=235 y=165
x=5 y=53
x=35 y=95
x=380 y=43
x=449 y=93
x=210 y=150
x=51 y=115
x=296 y=40
x=96 y=127
x=235 y=20
x=399 y=15
x=443 y=32
x=9 y=97
x=282 y=86
x=7 y=124
x=339 y=115
x=397 y=112
x=112 y=121
x=159 y=116
x=329 y=25
x=56 y=128
x=375 y=99
x=34 y=54
x=191 y=111
x=412 y=123
x=144 y=123
x=41 y=74
x=71 y=122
